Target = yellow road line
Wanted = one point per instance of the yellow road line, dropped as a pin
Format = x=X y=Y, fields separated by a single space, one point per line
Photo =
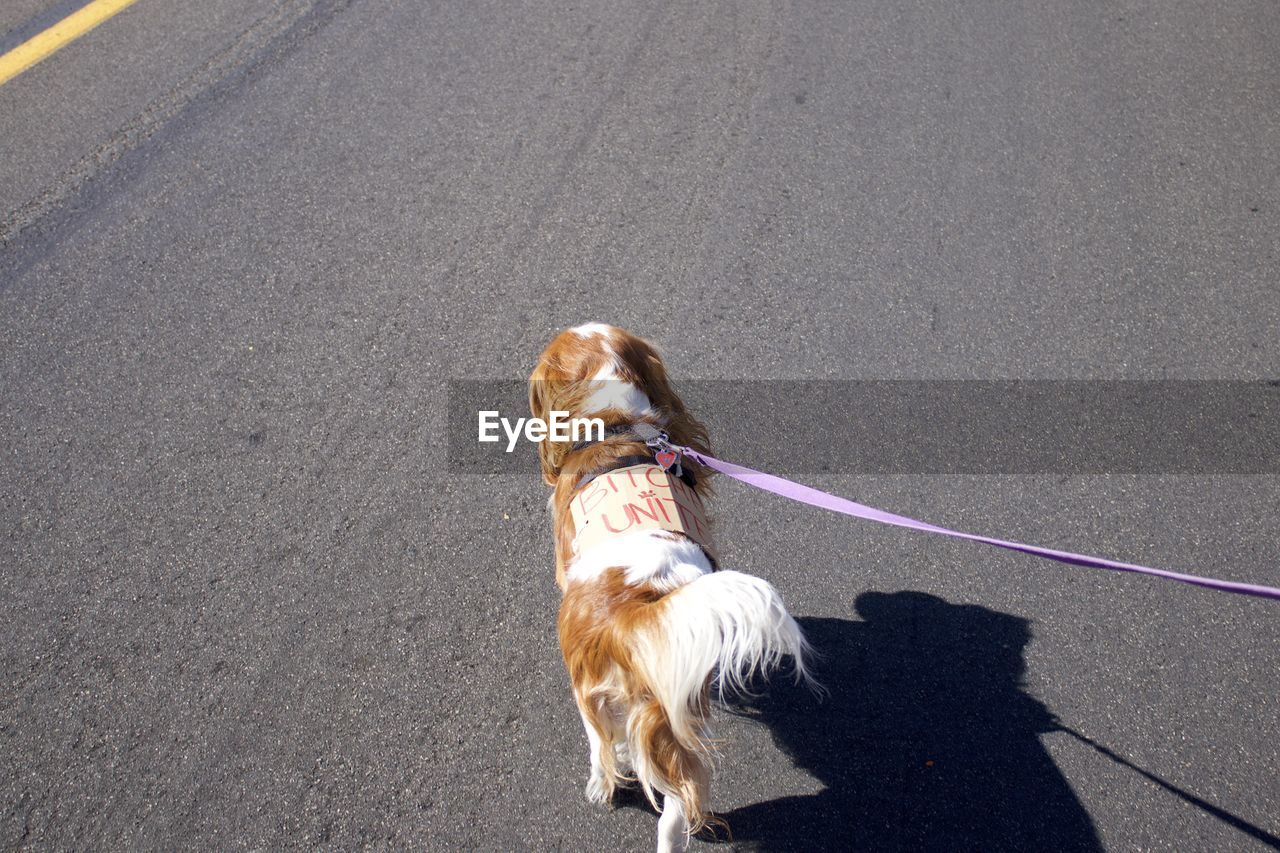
x=67 y=30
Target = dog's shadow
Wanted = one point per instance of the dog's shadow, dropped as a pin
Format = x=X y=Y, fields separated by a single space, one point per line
x=926 y=740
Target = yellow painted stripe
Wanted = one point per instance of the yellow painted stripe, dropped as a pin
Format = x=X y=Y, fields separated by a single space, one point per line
x=65 y=31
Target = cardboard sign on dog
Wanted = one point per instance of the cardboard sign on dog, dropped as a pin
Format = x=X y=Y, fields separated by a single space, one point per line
x=638 y=498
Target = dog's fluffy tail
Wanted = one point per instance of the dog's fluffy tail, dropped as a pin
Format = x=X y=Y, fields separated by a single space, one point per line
x=722 y=628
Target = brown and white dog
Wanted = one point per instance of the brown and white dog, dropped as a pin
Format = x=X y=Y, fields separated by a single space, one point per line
x=647 y=623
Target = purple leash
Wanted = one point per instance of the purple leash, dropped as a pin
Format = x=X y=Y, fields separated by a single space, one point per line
x=824 y=500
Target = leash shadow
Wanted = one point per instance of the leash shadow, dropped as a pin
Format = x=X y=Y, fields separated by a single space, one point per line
x=927 y=740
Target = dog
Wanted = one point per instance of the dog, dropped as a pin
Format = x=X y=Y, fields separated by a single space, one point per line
x=648 y=623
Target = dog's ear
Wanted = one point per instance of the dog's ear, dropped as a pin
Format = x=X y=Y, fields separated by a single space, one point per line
x=541 y=397
x=645 y=366
x=537 y=390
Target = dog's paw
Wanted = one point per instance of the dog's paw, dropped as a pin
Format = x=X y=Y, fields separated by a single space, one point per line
x=596 y=791
x=622 y=758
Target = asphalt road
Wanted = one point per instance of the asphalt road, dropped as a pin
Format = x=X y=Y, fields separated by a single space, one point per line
x=249 y=602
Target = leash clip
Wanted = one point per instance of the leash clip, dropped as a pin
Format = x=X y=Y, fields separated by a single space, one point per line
x=668 y=455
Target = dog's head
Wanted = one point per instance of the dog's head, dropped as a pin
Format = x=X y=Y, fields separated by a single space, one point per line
x=605 y=372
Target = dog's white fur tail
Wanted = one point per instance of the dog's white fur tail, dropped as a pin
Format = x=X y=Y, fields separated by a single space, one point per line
x=724 y=627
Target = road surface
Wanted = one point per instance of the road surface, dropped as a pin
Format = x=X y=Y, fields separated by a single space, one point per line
x=250 y=602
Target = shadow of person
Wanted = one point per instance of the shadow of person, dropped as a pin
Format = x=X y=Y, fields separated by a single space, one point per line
x=926 y=742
